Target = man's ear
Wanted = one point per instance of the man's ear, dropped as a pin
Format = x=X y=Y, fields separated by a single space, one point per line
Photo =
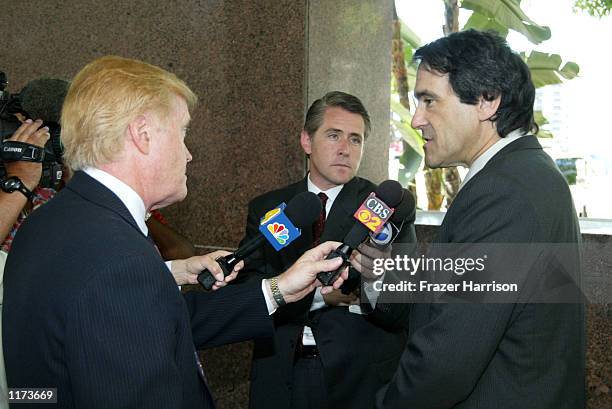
x=486 y=109
x=306 y=142
x=138 y=134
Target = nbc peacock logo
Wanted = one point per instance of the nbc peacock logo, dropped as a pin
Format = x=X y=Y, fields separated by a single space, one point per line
x=279 y=232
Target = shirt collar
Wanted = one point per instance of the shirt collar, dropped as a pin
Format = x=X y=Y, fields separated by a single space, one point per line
x=125 y=193
x=331 y=194
x=487 y=155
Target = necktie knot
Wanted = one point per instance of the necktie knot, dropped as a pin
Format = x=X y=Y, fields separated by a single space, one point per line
x=323 y=198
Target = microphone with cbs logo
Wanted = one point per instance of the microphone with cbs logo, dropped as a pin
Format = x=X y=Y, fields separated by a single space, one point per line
x=371 y=216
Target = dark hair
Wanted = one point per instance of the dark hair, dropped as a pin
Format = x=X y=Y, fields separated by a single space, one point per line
x=480 y=63
x=348 y=102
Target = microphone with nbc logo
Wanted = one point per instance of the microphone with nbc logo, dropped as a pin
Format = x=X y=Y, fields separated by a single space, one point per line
x=279 y=227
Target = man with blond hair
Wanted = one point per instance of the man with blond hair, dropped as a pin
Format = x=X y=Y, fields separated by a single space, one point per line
x=90 y=308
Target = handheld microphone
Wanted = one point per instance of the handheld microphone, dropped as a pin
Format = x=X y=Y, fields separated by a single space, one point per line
x=404 y=212
x=43 y=98
x=280 y=226
x=371 y=216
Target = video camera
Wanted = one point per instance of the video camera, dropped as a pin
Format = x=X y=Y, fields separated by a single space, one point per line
x=39 y=99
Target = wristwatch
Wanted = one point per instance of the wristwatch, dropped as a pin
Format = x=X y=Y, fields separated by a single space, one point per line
x=276 y=294
x=13 y=183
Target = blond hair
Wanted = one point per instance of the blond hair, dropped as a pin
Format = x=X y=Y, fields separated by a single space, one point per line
x=104 y=97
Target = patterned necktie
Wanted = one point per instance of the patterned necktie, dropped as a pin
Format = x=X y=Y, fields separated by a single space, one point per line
x=317 y=228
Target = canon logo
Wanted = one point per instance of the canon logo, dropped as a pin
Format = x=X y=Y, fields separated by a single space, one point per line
x=11 y=149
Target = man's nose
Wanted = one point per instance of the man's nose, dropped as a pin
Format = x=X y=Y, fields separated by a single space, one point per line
x=418 y=120
x=343 y=146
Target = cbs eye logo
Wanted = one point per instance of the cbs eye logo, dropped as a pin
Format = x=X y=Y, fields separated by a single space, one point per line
x=371 y=221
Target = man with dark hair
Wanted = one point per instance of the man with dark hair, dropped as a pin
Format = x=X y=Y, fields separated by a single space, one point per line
x=325 y=353
x=316 y=112
x=475 y=108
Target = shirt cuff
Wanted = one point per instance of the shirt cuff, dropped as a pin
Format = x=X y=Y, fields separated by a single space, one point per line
x=169 y=265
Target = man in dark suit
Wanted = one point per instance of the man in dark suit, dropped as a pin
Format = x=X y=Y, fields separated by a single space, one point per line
x=475 y=107
x=90 y=308
x=326 y=351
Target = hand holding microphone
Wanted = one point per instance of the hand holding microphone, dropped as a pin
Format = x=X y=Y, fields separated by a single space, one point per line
x=301 y=278
x=379 y=246
x=371 y=216
x=186 y=271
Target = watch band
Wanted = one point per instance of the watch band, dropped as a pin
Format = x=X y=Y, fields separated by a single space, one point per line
x=276 y=294
x=13 y=183
x=25 y=191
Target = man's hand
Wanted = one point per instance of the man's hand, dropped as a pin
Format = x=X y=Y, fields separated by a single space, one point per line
x=363 y=259
x=301 y=278
x=186 y=271
x=28 y=172
x=337 y=299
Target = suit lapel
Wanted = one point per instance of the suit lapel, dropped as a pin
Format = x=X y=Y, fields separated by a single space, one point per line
x=339 y=220
x=524 y=143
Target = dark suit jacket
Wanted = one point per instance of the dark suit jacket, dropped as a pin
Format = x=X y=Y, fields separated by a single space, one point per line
x=358 y=355
x=503 y=356
x=91 y=309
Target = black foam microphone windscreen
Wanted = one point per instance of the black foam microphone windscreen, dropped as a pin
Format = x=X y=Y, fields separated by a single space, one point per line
x=43 y=98
x=390 y=193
